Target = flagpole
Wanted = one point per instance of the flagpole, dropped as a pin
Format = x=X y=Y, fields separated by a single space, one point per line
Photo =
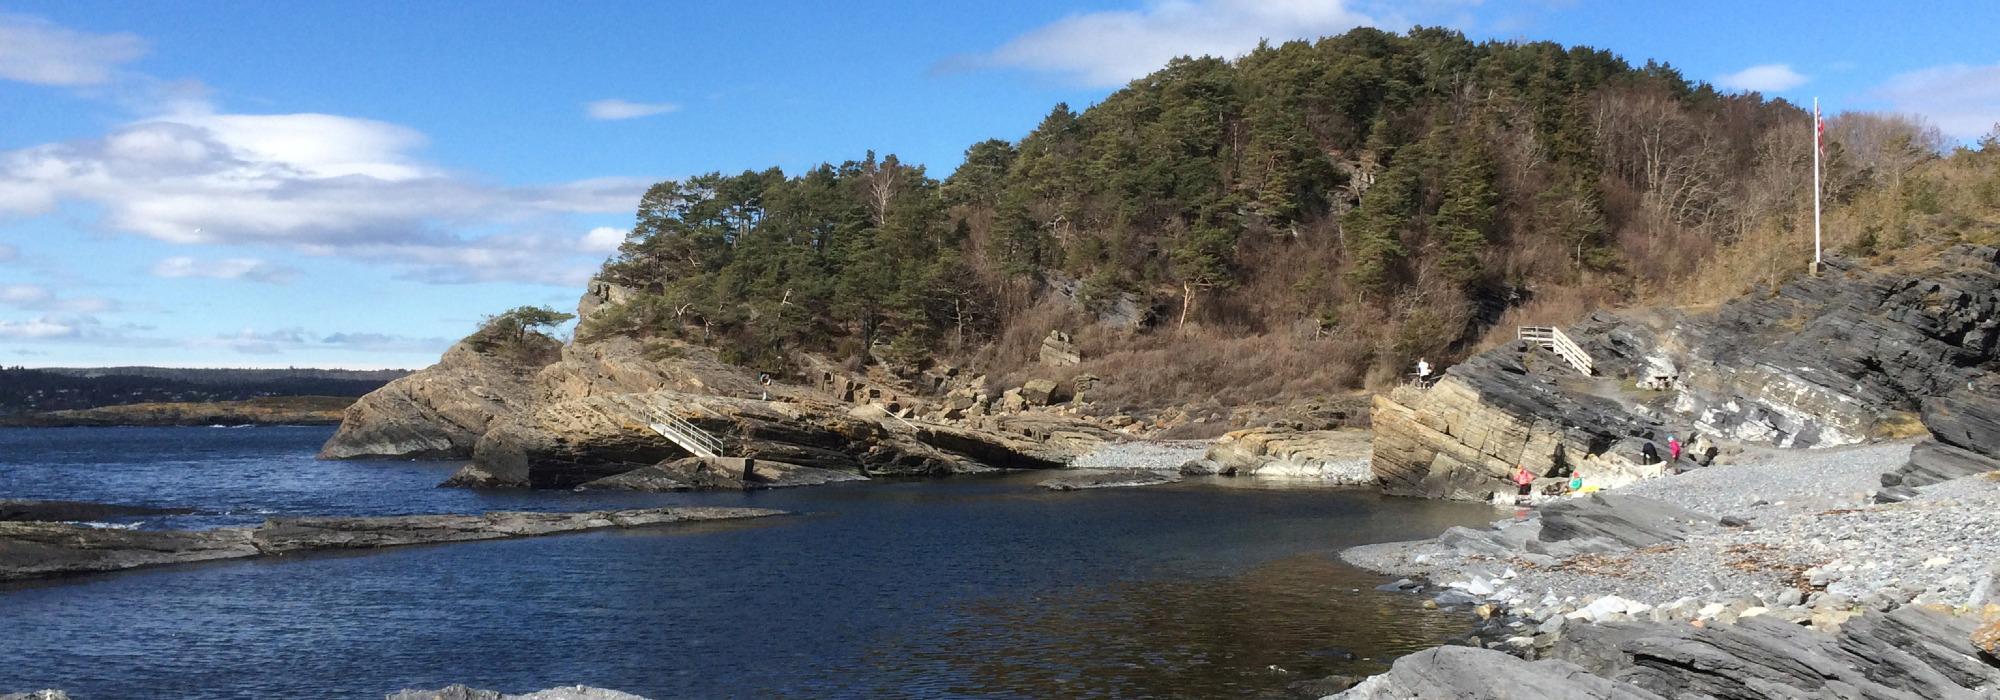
x=1817 y=131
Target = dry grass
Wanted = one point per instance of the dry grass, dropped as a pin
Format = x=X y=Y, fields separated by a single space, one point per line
x=1205 y=368
x=1899 y=425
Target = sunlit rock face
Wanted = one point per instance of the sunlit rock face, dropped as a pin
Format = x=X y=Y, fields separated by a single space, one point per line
x=1838 y=359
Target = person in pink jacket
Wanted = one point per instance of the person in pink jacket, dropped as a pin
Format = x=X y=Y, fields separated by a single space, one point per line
x=1674 y=453
x=1526 y=480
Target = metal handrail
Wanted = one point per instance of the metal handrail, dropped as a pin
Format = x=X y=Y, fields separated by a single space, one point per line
x=689 y=436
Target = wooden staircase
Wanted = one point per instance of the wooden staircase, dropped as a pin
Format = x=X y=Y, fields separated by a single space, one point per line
x=1554 y=340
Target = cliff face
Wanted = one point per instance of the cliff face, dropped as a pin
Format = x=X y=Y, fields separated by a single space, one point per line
x=582 y=412
x=1838 y=359
x=440 y=412
x=1821 y=361
x=1463 y=437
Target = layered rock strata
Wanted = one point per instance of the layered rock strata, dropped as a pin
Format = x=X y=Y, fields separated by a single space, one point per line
x=1849 y=356
x=1910 y=652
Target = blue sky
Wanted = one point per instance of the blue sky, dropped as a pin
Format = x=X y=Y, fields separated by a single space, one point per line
x=354 y=184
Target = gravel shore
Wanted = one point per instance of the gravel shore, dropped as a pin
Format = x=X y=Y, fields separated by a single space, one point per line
x=1797 y=528
x=1149 y=455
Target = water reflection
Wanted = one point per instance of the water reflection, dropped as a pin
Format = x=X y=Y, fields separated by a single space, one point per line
x=1292 y=619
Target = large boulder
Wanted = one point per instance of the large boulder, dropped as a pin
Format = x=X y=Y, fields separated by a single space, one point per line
x=1967 y=419
x=441 y=411
x=1059 y=351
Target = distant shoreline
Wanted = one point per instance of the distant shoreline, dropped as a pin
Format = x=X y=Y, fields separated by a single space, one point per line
x=271 y=410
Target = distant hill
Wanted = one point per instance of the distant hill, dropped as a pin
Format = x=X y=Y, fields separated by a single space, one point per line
x=24 y=390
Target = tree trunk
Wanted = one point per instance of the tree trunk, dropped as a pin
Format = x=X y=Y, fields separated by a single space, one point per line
x=1187 y=301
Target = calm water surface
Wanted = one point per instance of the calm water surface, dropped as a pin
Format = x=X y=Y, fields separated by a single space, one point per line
x=973 y=586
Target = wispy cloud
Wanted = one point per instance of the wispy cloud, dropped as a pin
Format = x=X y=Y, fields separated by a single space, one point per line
x=250 y=269
x=285 y=340
x=9 y=253
x=70 y=328
x=615 y=109
x=1108 y=49
x=34 y=297
x=1770 y=77
x=1963 y=100
x=36 y=51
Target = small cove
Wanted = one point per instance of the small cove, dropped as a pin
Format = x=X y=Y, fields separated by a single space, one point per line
x=973 y=586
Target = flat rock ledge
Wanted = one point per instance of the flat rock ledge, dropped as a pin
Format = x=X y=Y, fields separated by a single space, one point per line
x=719 y=473
x=1910 y=652
x=1109 y=479
x=1333 y=457
x=25 y=510
x=36 y=550
x=36 y=695
x=461 y=692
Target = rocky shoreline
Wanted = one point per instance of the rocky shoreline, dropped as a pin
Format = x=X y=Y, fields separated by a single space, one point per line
x=30 y=550
x=1775 y=576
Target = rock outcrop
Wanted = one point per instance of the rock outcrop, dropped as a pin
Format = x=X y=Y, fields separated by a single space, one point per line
x=33 y=550
x=19 y=510
x=1107 y=479
x=1328 y=456
x=462 y=692
x=1911 y=652
x=583 y=413
x=723 y=473
x=1821 y=361
x=441 y=411
x=1464 y=436
x=1059 y=351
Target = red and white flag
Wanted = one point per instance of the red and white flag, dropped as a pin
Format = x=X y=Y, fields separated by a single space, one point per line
x=1819 y=130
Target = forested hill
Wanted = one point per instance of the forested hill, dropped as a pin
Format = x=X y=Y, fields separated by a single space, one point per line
x=1309 y=218
x=64 y=388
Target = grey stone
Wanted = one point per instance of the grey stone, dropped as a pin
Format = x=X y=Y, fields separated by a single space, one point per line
x=1480 y=674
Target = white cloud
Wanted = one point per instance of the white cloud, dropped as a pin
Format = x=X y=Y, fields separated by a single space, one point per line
x=603 y=239
x=34 y=297
x=65 y=327
x=1770 y=77
x=43 y=328
x=1108 y=49
x=36 y=51
x=1962 y=100
x=250 y=269
x=615 y=109
x=320 y=183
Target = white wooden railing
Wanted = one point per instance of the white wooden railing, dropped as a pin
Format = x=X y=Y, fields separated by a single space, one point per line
x=689 y=437
x=1556 y=341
